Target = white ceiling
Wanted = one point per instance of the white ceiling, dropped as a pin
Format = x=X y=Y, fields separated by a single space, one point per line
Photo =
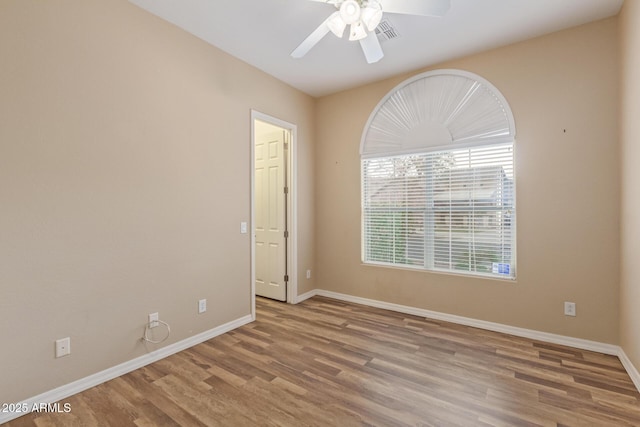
x=264 y=32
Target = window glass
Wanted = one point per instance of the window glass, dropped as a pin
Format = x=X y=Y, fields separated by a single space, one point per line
x=448 y=210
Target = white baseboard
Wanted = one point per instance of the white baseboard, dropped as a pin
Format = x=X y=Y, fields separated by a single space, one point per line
x=613 y=350
x=82 y=384
x=496 y=327
x=582 y=344
x=306 y=295
x=631 y=370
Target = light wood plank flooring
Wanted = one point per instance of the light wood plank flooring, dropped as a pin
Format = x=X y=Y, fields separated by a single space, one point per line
x=330 y=363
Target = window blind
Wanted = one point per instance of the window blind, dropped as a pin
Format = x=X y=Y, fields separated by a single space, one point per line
x=451 y=210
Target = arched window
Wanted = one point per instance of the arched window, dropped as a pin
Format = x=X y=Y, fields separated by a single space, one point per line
x=438 y=187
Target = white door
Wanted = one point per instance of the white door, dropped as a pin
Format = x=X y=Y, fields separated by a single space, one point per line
x=270 y=211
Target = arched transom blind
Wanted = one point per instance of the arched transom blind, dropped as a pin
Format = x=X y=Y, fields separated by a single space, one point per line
x=437 y=110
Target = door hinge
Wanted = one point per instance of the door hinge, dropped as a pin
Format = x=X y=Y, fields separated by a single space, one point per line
x=286 y=277
x=286 y=234
x=286 y=190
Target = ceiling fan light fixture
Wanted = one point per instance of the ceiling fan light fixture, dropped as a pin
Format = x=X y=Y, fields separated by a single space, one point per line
x=372 y=15
x=364 y=18
x=336 y=24
x=358 y=31
x=350 y=11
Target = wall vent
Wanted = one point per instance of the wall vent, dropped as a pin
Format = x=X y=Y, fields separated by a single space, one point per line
x=385 y=31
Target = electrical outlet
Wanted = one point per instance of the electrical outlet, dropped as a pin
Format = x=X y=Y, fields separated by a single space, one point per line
x=202 y=306
x=153 y=320
x=308 y=274
x=569 y=308
x=63 y=347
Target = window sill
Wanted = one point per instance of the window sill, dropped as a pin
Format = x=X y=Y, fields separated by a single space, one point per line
x=443 y=272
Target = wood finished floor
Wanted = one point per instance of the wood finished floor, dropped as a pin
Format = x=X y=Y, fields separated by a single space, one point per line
x=329 y=363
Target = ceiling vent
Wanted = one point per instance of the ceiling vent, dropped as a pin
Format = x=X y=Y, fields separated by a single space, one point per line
x=385 y=31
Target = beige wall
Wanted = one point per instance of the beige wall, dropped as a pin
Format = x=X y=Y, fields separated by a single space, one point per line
x=630 y=158
x=563 y=91
x=124 y=176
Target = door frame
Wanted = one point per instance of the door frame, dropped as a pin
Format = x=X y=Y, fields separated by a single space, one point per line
x=292 y=207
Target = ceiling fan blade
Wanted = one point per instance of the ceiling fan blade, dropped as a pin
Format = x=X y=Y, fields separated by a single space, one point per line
x=371 y=48
x=311 y=40
x=417 y=7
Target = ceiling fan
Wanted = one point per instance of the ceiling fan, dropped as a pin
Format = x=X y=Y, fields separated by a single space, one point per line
x=362 y=17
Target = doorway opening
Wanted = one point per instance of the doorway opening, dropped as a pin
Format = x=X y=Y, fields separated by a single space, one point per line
x=273 y=209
